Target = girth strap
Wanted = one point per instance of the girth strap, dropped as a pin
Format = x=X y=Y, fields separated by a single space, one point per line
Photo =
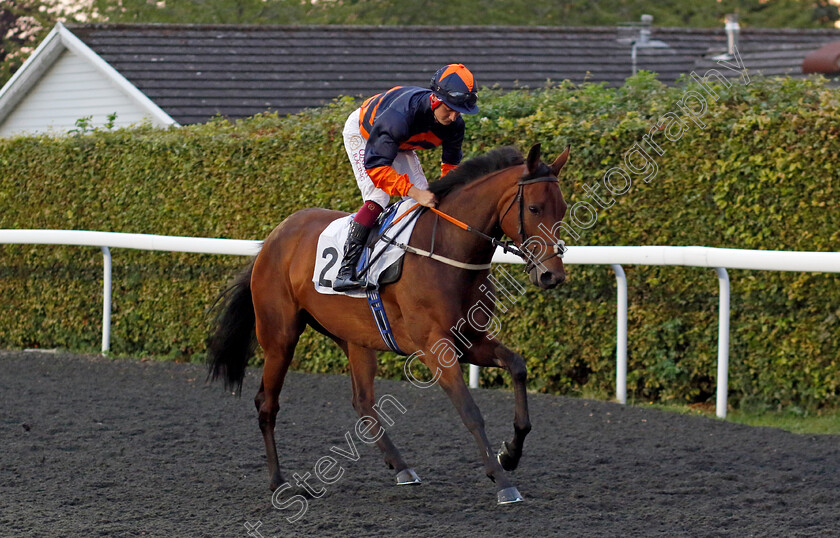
x=381 y=319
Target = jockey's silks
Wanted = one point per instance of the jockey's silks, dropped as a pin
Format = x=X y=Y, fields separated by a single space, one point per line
x=402 y=119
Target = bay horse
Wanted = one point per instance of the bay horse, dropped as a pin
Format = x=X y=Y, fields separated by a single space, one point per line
x=274 y=299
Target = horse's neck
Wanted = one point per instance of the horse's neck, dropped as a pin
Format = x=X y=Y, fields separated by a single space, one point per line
x=476 y=204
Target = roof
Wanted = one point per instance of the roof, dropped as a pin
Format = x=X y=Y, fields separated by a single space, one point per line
x=765 y=51
x=193 y=72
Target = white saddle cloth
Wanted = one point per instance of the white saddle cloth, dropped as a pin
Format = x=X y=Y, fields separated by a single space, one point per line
x=331 y=250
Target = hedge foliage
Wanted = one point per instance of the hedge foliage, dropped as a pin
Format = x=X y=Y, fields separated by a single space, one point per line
x=761 y=174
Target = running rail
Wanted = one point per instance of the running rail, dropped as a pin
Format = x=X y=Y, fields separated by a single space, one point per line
x=718 y=259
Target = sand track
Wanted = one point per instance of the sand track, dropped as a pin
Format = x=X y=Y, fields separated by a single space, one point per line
x=90 y=446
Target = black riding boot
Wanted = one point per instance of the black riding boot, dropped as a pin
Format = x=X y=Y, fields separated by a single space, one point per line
x=346 y=278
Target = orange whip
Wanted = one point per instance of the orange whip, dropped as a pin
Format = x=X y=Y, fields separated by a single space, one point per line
x=453 y=220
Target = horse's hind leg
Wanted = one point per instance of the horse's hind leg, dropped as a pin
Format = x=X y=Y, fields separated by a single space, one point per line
x=278 y=340
x=494 y=353
x=362 y=371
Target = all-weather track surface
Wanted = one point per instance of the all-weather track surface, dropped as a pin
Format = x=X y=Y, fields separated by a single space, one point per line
x=97 y=447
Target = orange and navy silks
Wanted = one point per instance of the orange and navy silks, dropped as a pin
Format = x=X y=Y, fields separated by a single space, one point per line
x=402 y=119
x=388 y=180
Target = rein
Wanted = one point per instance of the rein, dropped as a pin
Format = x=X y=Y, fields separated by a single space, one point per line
x=558 y=249
x=426 y=253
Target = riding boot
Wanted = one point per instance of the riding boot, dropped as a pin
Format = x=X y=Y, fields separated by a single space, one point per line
x=346 y=278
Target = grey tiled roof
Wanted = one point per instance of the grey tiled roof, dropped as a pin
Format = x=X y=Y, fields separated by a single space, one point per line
x=194 y=72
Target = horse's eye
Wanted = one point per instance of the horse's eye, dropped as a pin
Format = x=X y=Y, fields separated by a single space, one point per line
x=534 y=209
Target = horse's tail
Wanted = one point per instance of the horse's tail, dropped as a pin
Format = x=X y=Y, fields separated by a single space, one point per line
x=234 y=340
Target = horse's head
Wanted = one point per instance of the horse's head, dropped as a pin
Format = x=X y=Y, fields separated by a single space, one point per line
x=535 y=206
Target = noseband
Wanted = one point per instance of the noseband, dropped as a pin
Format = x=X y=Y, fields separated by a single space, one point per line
x=558 y=248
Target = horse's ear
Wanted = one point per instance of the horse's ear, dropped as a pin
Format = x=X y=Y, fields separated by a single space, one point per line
x=533 y=158
x=560 y=162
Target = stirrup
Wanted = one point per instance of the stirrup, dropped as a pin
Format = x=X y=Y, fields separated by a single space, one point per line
x=352 y=282
x=348 y=283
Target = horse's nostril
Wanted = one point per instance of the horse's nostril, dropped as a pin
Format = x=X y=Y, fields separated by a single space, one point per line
x=550 y=279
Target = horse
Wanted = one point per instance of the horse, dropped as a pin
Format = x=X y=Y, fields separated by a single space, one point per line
x=273 y=300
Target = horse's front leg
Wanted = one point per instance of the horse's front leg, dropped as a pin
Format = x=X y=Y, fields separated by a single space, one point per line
x=452 y=381
x=494 y=353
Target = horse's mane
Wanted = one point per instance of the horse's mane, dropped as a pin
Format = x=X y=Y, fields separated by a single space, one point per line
x=477 y=167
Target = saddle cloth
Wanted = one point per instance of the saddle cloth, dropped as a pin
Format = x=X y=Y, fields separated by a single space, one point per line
x=330 y=250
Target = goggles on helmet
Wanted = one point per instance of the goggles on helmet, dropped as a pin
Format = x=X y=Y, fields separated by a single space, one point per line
x=456 y=98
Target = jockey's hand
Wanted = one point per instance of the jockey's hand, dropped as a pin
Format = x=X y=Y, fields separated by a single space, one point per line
x=423 y=197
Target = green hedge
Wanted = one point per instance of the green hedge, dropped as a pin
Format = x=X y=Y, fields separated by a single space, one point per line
x=760 y=175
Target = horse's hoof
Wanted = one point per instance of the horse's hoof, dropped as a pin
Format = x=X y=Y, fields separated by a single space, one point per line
x=275 y=479
x=407 y=477
x=508 y=462
x=509 y=496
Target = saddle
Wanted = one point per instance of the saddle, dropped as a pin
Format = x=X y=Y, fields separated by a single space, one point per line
x=394 y=271
x=381 y=262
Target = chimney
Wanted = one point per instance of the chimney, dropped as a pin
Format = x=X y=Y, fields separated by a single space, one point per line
x=644 y=41
x=644 y=30
x=733 y=31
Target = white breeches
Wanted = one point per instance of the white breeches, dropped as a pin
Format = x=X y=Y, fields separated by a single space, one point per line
x=406 y=162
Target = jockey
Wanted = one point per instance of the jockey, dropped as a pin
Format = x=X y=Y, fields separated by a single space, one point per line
x=380 y=138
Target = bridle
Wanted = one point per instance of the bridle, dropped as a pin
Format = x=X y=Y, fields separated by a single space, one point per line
x=524 y=252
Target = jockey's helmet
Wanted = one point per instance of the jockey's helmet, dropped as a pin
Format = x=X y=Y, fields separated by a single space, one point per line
x=454 y=85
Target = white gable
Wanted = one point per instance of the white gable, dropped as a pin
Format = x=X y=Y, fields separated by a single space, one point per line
x=64 y=81
x=71 y=89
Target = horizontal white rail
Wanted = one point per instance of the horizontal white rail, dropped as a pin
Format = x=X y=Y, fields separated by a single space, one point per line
x=168 y=243
x=731 y=258
x=766 y=260
x=694 y=256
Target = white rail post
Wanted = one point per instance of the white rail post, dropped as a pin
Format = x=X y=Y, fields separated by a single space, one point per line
x=620 y=335
x=106 y=301
x=473 y=376
x=723 y=343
